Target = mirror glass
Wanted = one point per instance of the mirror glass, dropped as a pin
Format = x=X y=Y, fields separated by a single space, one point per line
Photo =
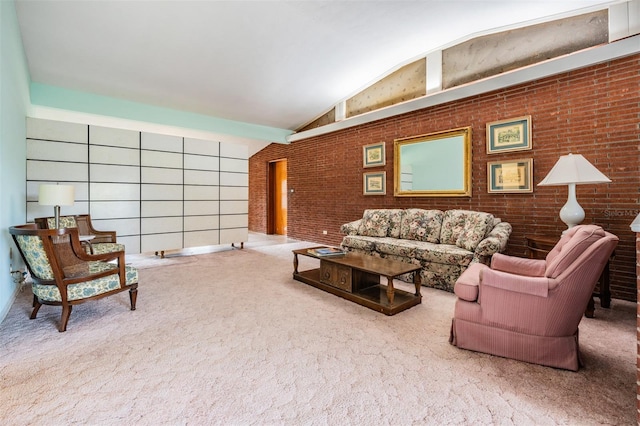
x=433 y=165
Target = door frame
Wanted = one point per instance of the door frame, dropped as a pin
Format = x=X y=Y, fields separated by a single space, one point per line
x=271 y=191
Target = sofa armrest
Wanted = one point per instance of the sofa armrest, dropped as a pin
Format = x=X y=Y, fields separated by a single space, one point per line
x=351 y=228
x=495 y=242
x=522 y=284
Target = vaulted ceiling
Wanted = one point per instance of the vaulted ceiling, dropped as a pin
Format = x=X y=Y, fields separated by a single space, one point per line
x=279 y=64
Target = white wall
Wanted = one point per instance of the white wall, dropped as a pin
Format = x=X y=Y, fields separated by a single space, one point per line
x=158 y=192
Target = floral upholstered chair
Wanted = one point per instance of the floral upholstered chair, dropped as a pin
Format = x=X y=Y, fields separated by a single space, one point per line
x=64 y=274
x=100 y=241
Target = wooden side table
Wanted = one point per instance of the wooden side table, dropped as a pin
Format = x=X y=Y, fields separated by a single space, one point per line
x=537 y=248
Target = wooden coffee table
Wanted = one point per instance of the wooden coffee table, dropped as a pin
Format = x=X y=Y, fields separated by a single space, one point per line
x=356 y=277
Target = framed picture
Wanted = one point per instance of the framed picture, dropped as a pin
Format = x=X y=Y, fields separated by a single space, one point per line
x=375 y=183
x=373 y=155
x=509 y=135
x=510 y=176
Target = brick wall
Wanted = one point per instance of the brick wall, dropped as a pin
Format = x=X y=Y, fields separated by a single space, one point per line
x=594 y=111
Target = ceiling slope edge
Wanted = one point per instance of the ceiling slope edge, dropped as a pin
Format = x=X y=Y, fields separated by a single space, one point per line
x=569 y=62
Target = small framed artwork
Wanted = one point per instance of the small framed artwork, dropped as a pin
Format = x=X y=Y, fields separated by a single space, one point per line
x=375 y=183
x=373 y=155
x=510 y=176
x=509 y=135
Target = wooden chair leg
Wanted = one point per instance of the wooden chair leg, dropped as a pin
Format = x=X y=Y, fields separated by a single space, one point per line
x=36 y=307
x=64 y=320
x=133 y=296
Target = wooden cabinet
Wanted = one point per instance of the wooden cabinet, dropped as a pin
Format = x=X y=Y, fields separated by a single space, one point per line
x=335 y=275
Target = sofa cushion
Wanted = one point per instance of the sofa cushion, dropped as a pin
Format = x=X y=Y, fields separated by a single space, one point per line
x=443 y=253
x=397 y=247
x=421 y=225
x=395 y=222
x=440 y=275
x=476 y=227
x=375 y=223
x=452 y=226
x=359 y=242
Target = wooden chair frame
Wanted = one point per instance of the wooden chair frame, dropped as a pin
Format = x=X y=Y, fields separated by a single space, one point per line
x=69 y=264
x=85 y=228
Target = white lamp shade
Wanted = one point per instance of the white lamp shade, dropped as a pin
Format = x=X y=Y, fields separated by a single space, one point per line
x=56 y=195
x=573 y=168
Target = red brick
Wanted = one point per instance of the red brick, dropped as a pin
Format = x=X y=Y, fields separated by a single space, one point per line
x=593 y=111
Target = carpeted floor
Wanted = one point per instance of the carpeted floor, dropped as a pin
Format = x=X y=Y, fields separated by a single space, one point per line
x=230 y=338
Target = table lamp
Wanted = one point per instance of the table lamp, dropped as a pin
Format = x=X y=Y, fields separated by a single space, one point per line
x=56 y=195
x=572 y=170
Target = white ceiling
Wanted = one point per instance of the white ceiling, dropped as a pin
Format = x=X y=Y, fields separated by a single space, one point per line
x=274 y=63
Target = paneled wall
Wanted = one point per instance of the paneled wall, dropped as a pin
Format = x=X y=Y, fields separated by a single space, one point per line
x=114 y=182
x=158 y=192
x=592 y=111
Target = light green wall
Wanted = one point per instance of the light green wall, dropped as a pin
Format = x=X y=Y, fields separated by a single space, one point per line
x=14 y=102
x=71 y=100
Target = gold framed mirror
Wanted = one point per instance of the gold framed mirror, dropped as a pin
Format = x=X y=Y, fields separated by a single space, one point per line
x=433 y=165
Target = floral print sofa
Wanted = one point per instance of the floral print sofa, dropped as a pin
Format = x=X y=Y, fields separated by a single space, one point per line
x=444 y=244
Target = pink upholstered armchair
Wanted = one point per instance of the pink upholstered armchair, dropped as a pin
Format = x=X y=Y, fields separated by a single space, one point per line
x=529 y=309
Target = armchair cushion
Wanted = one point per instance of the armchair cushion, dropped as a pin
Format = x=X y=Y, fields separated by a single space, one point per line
x=65 y=222
x=33 y=250
x=518 y=265
x=579 y=239
x=102 y=248
x=536 y=286
x=87 y=289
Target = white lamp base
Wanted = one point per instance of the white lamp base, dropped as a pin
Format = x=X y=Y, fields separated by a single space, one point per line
x=572 y=213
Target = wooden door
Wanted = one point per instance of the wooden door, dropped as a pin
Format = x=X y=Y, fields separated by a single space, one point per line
x=277 y=214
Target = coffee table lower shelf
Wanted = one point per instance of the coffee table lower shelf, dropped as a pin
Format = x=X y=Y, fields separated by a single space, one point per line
x=373 y=297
